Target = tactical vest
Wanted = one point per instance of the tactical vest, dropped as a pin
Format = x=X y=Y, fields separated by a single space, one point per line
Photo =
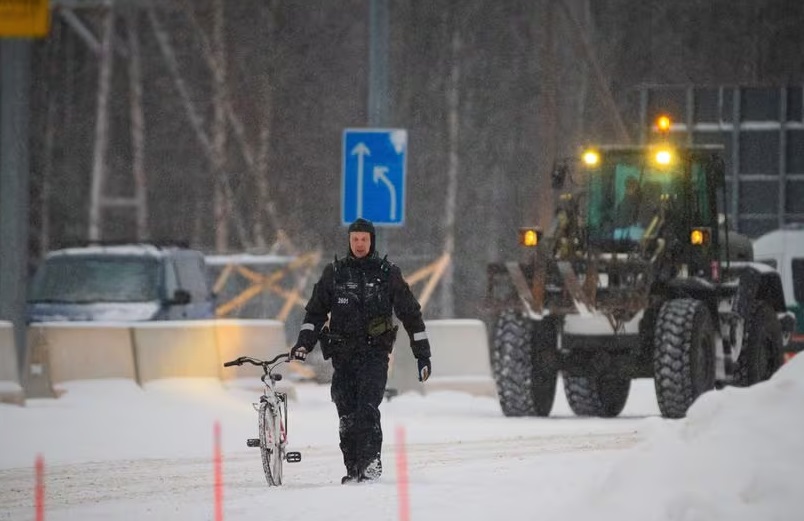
x=361 y=303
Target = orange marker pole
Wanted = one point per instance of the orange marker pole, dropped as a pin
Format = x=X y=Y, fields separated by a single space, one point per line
x=402 y=475
x=39 y=497
x=218 y=464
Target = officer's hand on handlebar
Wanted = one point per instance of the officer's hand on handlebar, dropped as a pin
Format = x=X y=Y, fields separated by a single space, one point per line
x=298 y=353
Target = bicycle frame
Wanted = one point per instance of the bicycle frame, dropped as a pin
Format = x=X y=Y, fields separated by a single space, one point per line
x=272 y=411
x=276 y=399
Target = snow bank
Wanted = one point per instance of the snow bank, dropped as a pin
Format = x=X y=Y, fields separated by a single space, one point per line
x=739 y=455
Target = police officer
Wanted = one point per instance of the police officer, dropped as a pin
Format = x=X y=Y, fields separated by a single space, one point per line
x=361 y=291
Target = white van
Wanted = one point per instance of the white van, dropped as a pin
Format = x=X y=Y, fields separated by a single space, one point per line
x=784 y=250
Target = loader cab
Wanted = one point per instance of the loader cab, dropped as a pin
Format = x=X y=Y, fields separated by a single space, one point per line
x=638 y=194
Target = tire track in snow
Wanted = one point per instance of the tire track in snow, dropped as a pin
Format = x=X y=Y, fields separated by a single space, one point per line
x=163 y=480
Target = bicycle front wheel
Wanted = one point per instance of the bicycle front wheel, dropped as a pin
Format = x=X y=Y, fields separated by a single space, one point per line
x=271 y=444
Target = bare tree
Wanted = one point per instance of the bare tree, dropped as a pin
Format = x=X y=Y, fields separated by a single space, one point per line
x=101 y=125
x=137 y=125
x=453 y=166
x=221 y=205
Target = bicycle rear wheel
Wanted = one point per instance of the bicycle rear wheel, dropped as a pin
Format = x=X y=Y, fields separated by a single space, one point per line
x=271 y=444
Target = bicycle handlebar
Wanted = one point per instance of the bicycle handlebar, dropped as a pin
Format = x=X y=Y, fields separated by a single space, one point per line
x=256 y=361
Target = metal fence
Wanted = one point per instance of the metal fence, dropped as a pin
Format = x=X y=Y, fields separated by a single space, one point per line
x=762 y=132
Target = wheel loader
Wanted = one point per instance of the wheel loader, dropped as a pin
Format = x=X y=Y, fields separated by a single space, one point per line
x=637 y=276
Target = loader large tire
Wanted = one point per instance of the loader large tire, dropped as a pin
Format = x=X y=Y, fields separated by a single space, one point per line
x=603 y=396
x=684 y=355
x=762 y=352
x=524 y=363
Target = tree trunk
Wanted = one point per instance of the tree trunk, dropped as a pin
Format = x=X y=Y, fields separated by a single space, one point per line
x=588 y=52
x=453 y=167
x=169 y=55
x=51 y=95
x=101 y=127
x=261 y=176
x=221 y=206
x=584 y=72
x=547 y=113
x=137 y=127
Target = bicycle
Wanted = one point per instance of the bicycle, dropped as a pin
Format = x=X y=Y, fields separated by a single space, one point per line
x=272 y=419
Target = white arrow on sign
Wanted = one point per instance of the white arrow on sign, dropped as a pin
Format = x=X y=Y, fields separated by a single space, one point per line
x=379 y=175
x=361 y=151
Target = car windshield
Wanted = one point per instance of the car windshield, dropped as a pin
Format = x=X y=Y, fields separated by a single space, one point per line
x=78 y=279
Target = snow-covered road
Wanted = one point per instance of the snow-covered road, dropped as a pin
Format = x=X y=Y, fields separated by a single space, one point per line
x=181 y=488
x=152 y=458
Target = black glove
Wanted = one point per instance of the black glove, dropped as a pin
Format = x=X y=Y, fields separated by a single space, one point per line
x=299 y=353
x=424 y=369
x=421 y=348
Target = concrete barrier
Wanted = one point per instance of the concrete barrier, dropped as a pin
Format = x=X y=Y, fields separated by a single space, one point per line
x=176 y=349
x=10 y=388
x=263 y=339
x=81 y=350
x=460 y=358
x=142 y=351
x=403 y=370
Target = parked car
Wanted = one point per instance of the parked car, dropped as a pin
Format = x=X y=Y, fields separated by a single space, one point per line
x=783 y=249
x=121 y=282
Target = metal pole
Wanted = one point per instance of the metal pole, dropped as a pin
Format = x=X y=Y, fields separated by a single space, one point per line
x=378 y=64
x=378 y=79
x=782 y=206
x=15 y=59
x=736 y=123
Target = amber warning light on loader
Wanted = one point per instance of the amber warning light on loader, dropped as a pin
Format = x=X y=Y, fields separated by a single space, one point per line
x=699 y=236
x=529 y=237
x=663 y=124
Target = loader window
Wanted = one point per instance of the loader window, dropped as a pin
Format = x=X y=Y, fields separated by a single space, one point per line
x=798 y=279
x=628 y=217
x=623 y=197
x=700 y=194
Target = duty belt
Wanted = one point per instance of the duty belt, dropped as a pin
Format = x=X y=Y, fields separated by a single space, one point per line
x=333 y=343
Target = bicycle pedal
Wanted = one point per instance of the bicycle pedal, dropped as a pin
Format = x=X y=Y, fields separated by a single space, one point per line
x=253 y=442
x=293 y=457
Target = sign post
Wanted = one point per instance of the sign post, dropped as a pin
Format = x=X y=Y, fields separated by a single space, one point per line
x=373 y=180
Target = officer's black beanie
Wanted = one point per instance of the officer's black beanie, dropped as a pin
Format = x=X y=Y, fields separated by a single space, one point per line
x=363 y=225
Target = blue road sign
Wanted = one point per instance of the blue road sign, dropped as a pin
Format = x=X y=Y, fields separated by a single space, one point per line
x=373 y=181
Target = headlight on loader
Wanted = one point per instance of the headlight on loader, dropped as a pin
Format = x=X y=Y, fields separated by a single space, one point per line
x=663 y=157
x=591 y=158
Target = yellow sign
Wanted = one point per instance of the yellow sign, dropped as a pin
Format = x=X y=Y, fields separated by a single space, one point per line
x=24 y=18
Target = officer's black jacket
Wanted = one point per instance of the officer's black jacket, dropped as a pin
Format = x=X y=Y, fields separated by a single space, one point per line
x=356 y=292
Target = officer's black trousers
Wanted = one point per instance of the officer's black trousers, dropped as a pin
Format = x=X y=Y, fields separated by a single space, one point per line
x=358 y=388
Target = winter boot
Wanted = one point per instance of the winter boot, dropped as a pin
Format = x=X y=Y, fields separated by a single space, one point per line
x=351 y=476
x=372 y=472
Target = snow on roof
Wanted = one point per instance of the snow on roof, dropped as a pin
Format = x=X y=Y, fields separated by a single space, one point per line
x=785 y=240
x=248 y=259
x=122 y=249
x=155 y=251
